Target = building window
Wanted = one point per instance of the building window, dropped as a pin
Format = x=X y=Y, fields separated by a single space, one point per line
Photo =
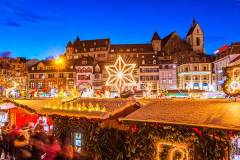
x=70 y=75
x=41 y=76
x=170 y=81
x=83 y=77
x=198 y=41
x=31 y=76
x=204 y=68
x=51 y=75
x=195 y=68
x=154 y=61
x=143 y=62
x=40 y=85
x=70 y=82
x=186 y=69
x=61 y=75
x=32 y=85
x=32 y=68
x=166 y=66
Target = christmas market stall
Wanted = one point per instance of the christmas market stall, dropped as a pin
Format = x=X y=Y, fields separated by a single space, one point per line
x=80 y=119
x=185 y=129
x=21 y=115
x=148 y=129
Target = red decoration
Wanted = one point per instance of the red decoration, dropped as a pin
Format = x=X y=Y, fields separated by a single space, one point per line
x=198 y=131
x=134 y=128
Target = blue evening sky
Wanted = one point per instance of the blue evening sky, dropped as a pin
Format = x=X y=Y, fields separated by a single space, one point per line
x=41 y=28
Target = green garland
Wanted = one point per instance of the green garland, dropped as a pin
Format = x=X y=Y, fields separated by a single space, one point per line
x=140 y=142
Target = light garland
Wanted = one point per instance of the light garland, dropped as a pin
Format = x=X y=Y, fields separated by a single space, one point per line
x=234 y=86
x=120 y=74
x=177 y=147
x=79 y=107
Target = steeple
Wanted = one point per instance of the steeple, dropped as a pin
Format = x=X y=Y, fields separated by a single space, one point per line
x=195 y=37
x=156 y=42
x=69 y=44
x=77 y=42
x=155 y=36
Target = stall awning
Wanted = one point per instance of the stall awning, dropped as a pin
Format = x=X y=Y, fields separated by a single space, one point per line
x=222 y=114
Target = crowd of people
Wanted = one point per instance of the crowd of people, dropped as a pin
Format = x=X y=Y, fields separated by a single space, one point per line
x=32 y=143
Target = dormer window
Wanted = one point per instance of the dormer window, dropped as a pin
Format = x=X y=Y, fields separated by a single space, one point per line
x=84 y=62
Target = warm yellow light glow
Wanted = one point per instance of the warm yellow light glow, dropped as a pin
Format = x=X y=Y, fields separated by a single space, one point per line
x=176 y=147
x=120 y=74
x=59 y=61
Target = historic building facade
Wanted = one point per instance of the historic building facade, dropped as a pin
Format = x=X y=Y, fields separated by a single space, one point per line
x=13 y=76
x=224 y=58
x=45 y=76
x=170 y=63
x=196 y=74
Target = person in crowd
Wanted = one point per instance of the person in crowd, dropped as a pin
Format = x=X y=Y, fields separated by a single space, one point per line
x=22 y=148
x=37 y=142
x=67 y=152
x=52 y=148
x=11 y=136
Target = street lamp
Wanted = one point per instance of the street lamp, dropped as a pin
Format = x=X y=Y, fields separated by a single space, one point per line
x=58 y=62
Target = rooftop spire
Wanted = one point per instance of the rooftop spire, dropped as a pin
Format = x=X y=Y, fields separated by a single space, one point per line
x=155 y=36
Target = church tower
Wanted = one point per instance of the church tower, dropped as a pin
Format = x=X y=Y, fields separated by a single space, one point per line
x=195 y=37
x=156 y=42
x=69 y=48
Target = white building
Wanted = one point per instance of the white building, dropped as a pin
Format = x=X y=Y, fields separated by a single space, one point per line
x=168 y=76
x=195 y=76
x=223 y=59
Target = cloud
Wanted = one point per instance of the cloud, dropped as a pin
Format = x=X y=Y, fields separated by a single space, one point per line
x=17 y=14
x=10 y=23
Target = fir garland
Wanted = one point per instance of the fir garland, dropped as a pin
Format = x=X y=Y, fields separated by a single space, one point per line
x=139 y=142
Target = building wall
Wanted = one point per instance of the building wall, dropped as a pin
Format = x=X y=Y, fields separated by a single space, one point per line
x=195 y=76
x=219 y=65
x=168 y=76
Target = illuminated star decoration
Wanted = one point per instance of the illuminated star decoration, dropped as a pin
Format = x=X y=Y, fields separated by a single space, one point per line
x=120 y=74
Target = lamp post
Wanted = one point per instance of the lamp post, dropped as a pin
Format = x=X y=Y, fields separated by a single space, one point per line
x=58 y=62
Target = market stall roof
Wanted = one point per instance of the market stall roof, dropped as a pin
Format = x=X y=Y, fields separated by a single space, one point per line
x=222 y=114
x=82 y=107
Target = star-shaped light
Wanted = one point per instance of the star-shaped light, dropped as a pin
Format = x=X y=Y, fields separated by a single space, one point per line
x=120 y=74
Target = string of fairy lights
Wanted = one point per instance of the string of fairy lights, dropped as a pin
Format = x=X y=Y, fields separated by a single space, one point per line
x=90 y=107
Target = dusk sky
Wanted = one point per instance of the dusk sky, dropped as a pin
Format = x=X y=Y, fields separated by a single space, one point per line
x=41 y=28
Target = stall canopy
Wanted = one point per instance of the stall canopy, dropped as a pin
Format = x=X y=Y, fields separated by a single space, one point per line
x=222 y=114
x=82 y=107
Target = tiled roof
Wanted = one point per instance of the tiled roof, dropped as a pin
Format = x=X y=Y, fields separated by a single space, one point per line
x=234 y=48
x=194 y=24
x=91 y=45
x=222 y=114
x=140 y=48
x=236 y=59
